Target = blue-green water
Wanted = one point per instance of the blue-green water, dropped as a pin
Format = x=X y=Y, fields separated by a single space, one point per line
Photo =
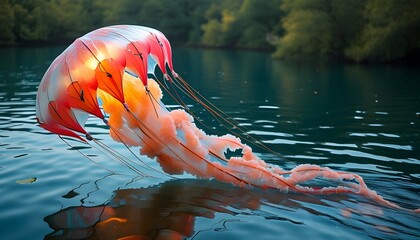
x=362 y=119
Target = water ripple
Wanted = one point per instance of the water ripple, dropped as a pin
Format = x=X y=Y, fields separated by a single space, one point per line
x=393 y=146
x=361 y=154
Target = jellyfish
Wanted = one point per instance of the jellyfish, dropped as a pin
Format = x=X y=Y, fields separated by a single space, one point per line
x=109 y=74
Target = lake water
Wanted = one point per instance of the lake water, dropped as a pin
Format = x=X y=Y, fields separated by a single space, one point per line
x=356 y=118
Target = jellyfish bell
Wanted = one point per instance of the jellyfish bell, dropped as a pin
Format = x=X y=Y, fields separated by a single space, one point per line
x=112 y=64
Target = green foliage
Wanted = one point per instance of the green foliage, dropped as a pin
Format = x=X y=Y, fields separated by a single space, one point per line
x=309 y=29
x=359 y=30
x=370 y=30
x=29 y=23
x=240 y=23
x=219 y=29
x=38 y=20
x=391 y=32
x=318 y=27
x=7 y=17
x=177 y=19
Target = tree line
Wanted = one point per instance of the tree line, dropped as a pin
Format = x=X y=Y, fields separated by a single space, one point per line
x=357 y=30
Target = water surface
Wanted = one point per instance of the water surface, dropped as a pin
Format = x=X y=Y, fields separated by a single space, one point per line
x=362 y=119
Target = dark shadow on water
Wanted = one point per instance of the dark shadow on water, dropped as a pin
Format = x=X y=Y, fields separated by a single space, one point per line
x=169 y=210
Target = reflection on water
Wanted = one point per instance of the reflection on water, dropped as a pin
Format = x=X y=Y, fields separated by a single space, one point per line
x=362 y=119
x=169 y=211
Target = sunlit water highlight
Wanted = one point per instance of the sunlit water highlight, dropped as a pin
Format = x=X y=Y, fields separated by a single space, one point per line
x=361 y=119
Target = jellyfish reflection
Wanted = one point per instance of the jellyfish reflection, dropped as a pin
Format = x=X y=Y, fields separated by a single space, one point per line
x=167 y=211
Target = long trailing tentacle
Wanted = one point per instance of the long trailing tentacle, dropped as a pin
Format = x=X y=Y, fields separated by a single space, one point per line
x=224 y=119
x=86 y=156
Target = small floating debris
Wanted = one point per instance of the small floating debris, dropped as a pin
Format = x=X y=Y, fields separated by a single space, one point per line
x=26 y=181
x=70 y=194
